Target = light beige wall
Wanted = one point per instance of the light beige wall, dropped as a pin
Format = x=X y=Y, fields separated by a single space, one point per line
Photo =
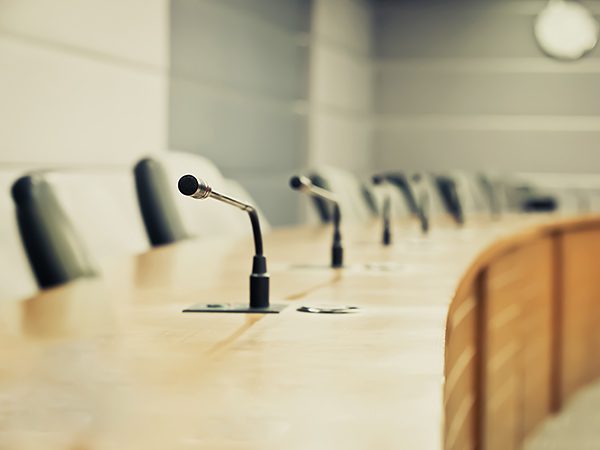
x=82 y=81
x=340 y=100
x=463 y=85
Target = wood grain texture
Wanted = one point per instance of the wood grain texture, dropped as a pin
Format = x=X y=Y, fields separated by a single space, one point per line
x=460 y=373
x=519 y=355
x=112 y=362
x=581 y=316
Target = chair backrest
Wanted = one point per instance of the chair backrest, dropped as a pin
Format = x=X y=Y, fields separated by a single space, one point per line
x=157 y=205
x=195 y=218
x=503 y=192
x=404 y=185
x=103 y=208
x=424 y=185
x=471 y=194
x=449 y=193
x=353 y=204
x=56 y=252
x=399 y=205
x=17 y=279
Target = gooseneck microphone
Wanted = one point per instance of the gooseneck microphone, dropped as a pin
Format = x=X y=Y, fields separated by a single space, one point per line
x=303 y=184
x=199 y=189
x=379 y=180
x=422 y=198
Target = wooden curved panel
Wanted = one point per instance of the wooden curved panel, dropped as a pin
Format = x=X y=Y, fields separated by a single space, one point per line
x=536 y=335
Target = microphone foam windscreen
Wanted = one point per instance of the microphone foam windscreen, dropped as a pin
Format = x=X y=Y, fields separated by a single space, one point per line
x=188 y=184
x=295 y=182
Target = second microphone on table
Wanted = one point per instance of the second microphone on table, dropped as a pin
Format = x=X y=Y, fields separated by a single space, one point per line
x=379 y=180
x=303 y=184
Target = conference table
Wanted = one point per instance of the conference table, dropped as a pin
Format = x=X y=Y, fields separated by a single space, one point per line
x=421 y=363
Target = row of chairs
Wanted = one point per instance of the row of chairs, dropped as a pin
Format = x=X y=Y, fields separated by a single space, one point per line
x=59 y=223
x=69 y=219
x=465 y=194
x=458 y=194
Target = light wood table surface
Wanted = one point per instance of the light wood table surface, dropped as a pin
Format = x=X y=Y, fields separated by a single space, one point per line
x=113 y=363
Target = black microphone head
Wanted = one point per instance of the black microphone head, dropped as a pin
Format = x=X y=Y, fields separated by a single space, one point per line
x=295 y=182
x=188 y=184
x=191 y=186
x=378 y=179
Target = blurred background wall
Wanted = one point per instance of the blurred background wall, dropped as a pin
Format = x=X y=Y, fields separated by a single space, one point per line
x=463 y=85
x=265 y=88
x=239 y=91
x=82 y=82
x=341 y=81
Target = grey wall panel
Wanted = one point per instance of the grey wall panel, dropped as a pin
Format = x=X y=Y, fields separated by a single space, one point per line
x=235 y=132
x=345 y=23
x=341 y=85
x=454 y=28
x=404 y=91
x=468 y=149
x=219 y=43
x=278 y=202
x=238 y=92
x=463 y=85
x=290 y=15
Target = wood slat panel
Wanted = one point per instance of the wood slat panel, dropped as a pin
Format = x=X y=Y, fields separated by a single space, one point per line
x=581 y=314
x=536 y=332
x=459 y=371
x=518 y=352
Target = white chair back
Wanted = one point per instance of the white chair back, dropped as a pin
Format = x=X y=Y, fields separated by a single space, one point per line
x=469 y=193
x=349 y=190
x=399 y=205
x=102 y=206
x=424 y=185
x=205 y=217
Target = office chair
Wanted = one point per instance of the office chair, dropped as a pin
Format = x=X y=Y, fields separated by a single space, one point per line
x=157 y=205
x=449 y=194
x=102 y=206
x=354 y=205
x=55 y=250
x=170 y=216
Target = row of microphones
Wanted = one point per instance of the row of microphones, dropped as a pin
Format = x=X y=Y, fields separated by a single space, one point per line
x=199 y=189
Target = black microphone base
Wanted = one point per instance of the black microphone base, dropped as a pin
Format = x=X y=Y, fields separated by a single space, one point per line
x=259 y=290
x=387 y=238
x=259 y=297
x=337 y=257
x=243 y=308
